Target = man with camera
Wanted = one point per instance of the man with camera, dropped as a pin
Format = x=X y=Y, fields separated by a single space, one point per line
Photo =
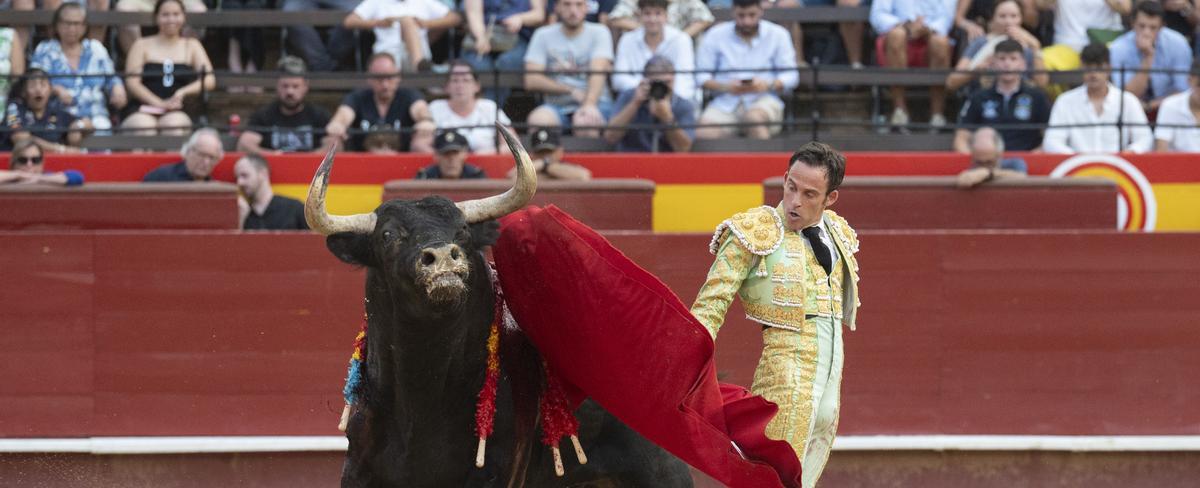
x=661 y=120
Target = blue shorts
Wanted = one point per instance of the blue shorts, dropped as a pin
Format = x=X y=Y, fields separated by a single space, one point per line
x=566 y=111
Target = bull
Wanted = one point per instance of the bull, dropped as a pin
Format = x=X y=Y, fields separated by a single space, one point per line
x=429 y=304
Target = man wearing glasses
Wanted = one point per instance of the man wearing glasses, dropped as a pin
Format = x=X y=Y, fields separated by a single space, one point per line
x=201 y=153
x=25 y=166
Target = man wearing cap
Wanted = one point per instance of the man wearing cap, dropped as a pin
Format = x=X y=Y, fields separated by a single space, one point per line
x=450 y=163
x=547 y=159
x=287 y=124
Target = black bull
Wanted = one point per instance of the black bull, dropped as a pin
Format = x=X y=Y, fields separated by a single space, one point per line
x=429 y=304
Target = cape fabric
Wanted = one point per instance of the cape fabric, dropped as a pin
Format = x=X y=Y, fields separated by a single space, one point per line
x=617 y=334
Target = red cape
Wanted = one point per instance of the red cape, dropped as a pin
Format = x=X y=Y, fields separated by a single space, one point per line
x=617 y=334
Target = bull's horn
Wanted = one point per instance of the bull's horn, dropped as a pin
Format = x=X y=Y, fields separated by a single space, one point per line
x=314 y=207
x=497 y=206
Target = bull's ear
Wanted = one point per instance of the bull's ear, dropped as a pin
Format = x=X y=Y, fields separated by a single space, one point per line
x=484 y=233
x=350 y=247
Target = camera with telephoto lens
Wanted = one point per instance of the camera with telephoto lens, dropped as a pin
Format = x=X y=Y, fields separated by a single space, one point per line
x=659 y=90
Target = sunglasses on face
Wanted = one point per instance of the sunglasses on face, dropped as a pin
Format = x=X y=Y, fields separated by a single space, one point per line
x=28 y=160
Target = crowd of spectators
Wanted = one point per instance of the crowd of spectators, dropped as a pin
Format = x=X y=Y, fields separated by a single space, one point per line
x=598 y=70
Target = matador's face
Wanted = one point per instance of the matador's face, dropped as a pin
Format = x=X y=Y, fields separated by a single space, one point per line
x=805 y=195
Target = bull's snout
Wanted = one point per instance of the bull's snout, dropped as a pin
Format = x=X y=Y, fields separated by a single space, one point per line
x=442 y=270
x=445 y=256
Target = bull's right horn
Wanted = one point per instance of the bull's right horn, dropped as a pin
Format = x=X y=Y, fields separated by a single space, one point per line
x=497 y=206
x=314 y=207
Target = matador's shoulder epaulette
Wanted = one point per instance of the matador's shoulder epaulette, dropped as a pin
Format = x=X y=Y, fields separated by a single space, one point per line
x=758 y=230
x=842 y=230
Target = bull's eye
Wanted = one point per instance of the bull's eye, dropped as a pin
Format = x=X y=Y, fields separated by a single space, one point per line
x=454 y=254
x=387 y=235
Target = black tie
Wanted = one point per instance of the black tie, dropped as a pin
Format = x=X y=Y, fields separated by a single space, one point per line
x=813 y=234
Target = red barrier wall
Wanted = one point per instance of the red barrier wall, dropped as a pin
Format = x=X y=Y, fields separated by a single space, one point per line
x=176 y=206
x=212 y=333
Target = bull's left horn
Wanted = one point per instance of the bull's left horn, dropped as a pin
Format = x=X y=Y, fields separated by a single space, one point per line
x=314 y=207
x=497 y=206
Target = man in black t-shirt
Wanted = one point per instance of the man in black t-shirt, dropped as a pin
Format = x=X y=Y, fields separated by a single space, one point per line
x=259 y=208
x=287 y=124
x=1009 y=101
x=384 y=104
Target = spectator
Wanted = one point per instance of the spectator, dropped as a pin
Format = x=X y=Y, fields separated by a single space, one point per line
x=75 y=61
x=259 y=208
x=851 y=32
x=597 y=11
x=548 y=159
x=401 y=27
x=1150 y=47
x=1005 y=24
x=450 y=163
x=691 y=17
x=384 y=104
x=128 y=35
x=911 y=34
x=36 y=115
x=1177 y=127
x=12 y=60
x=973 y=17
x=1008 y=102
x=25 y=166
x=464 y=111
x=655 y=37
x=1078 y=23
x=988 y=162
x=1183 y=16
x=569 y=62
x=664 y=120
x=287 y=124
x=746 y=62
x=381 y=139
x=162 y=70
x=1085 y=118
x=499 y=36
x=201 y=153
x=305 y=41
x=245 y=53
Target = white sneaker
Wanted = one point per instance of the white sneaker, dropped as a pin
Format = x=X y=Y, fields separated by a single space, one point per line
x=899 y=120
x=856 y=65
x=936 y=123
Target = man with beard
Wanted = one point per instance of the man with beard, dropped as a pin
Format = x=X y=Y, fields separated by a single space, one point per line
x=259 y=208
x=568 y=62
x=287 y=124
x=747 y=63
x=385 y=104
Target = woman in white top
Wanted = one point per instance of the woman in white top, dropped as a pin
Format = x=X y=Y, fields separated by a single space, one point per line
x=472 y=116
x=1178 y=129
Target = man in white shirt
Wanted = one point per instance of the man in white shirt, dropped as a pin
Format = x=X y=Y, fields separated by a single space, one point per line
x=636 y=47
x=1085 y=119
x=746 y=62
x=569 y=62
x=402 y=27
x=1177 y=127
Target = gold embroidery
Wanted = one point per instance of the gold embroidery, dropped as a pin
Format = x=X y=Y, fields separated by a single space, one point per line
x=792 y=317
x=785 y=376
x=759 y=229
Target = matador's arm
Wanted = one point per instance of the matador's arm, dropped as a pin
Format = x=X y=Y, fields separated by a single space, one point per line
x=731 y=266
